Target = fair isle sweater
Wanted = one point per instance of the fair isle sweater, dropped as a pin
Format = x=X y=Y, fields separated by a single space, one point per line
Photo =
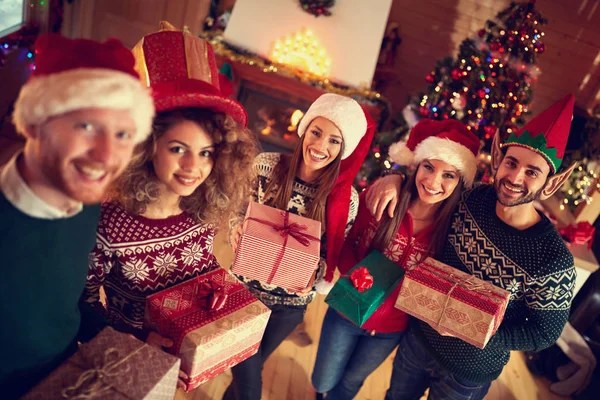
x=135 y=257
x=533 y=264
x=302 y=195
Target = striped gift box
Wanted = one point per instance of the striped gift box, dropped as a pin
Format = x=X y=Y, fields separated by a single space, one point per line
x=278 y=248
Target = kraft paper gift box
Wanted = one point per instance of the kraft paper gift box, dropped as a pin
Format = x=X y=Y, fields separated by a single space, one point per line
x=453 y=302
x=278 y=248
x=112 y=366
x=213 y=320
x=346 y=296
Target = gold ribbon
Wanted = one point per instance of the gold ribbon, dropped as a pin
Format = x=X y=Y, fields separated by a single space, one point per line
x=94 y=381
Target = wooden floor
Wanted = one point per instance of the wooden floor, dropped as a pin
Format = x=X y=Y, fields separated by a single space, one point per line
x=286 y=375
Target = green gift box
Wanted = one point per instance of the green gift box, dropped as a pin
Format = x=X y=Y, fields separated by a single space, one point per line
x=358 y=306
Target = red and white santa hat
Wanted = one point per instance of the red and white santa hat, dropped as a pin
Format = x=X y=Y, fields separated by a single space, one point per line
x=344 y=112
x=74 y=74
x=448 y=141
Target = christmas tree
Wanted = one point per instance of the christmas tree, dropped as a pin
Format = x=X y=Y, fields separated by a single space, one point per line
x=585 y=179
x=487 y=86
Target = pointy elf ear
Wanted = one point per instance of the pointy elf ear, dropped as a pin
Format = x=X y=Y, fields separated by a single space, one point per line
x=496 y=153
x=556 y=181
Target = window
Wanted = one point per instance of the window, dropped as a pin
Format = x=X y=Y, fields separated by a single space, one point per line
x=12 y=16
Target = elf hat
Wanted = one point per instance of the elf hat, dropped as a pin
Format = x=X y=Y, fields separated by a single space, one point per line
x=448 y=141
x=182 y=71
x=547 y=133
x=338 y=202
x=344 y=112
x=74 y=74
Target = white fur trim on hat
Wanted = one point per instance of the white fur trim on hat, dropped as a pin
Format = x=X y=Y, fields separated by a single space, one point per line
x=455 y=154
x=46 y=96
x=344 y=112
x=400 y=154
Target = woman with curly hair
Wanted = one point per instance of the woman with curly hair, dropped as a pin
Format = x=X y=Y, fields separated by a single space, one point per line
x=158 y=226
x=314 y=182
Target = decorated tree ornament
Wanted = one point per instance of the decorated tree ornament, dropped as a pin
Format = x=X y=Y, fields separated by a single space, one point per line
x=317 y=7
x=424 y=111
x=430 y=78
x=456 y=74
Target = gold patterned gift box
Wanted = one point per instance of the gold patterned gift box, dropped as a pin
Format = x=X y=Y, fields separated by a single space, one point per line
x=213 y=320
x=453 y=302
x=113 y=366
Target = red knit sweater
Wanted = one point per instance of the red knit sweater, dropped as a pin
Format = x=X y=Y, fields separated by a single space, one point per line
x=405 y=250
x=136 y=256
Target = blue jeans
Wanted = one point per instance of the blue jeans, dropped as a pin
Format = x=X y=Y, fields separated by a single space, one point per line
x=415 y=370
x=347 y=355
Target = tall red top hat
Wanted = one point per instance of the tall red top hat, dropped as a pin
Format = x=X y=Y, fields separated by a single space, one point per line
x=182 y=71
x=547 y=133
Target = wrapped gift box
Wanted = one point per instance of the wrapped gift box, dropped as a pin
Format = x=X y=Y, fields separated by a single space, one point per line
x=453 y=302
x=213 y=320
x=112 y=366
x=350 y=295
x=278 y=248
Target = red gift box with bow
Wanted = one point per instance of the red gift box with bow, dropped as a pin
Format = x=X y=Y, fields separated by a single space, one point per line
x=213 y=320
x=278 y=248
x=579 y=233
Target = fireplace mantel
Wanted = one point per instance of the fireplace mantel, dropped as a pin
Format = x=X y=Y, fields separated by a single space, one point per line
x=270 y=99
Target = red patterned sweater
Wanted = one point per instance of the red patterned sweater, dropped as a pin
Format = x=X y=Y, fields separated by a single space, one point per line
x=136 y=256
x=405 y=250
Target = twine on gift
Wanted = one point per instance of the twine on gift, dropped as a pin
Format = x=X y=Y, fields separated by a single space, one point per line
x=286 y=230
x=93 y=382
x=466 y=283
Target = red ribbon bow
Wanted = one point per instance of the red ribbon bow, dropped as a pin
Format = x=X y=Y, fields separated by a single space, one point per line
x=213 y=295
x=361 y=279
x=286 y=230
x=579 y=233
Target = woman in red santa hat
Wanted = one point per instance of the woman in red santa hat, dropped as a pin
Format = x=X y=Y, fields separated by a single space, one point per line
x=444 y=154
x=158 y=228
x=314 y=182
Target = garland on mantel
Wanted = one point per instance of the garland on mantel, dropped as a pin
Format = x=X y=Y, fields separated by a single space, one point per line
x=317 y=7
x=238 y=55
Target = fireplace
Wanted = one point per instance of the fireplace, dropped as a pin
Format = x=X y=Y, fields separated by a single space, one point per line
x=275 y=103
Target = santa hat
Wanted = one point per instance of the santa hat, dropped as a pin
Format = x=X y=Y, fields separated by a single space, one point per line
x=182 y=71
x=547 y=133
x=448 y=141
x=76 y=74
x=338 y=201
x=344 y=112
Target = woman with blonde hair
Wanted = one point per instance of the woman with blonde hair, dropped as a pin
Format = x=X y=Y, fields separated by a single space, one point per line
x=158 y=226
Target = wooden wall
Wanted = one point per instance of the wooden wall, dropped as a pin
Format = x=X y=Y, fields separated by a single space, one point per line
x=430 y=29
x=433 y=29
x=130 y=20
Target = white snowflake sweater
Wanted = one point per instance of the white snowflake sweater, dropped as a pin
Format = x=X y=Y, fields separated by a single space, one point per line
x=302 y=195
x=135 y=257
x=533 y=264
